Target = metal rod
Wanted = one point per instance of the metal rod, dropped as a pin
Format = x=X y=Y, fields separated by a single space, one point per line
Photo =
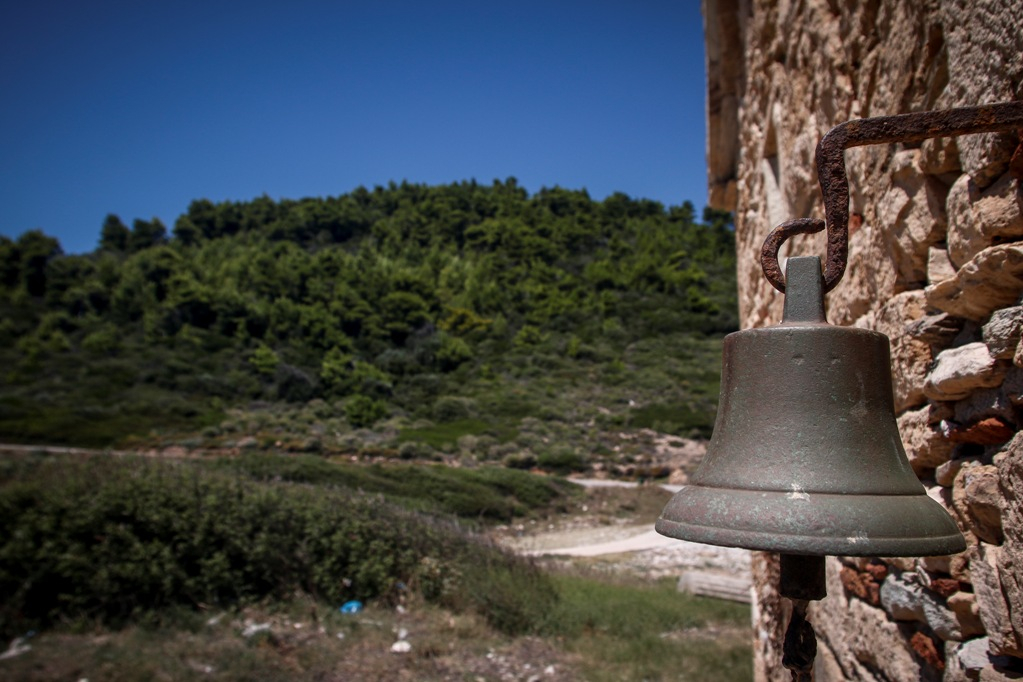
x=834 y=183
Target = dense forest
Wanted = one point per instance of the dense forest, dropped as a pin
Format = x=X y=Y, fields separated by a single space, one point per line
x=406 y=316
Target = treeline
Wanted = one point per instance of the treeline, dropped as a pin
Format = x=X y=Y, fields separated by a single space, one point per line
x=377 y=297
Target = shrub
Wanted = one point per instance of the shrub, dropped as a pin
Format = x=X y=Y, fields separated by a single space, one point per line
x=520 y=460
x=112 y=540
x=414 y=449
x=561 y=461
x=362 y=411
x=451 y=408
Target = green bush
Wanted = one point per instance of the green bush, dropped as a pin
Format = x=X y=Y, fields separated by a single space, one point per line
x=362 y=411
x=561 y=461
x=112 y=540
x=482 y=493
x=452 y=408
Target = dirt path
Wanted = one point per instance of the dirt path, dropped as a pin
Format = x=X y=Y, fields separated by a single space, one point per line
x=633 y=548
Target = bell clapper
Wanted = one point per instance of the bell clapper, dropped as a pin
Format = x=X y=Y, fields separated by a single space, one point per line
x=802 y=581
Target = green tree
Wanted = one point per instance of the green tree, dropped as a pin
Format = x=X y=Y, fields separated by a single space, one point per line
x=114 y=235
x=362 y=411
x=35 y=251
x=146 y=233
x=264 y=360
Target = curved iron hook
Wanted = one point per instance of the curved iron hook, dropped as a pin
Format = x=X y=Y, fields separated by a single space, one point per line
x=834 y=183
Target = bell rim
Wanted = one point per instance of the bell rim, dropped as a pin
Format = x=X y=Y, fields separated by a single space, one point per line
x=717 y=516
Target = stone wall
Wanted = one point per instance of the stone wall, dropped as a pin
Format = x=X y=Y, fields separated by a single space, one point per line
x=936 y=263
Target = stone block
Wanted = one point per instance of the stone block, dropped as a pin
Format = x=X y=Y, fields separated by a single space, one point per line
x=939 y=265
x=862 y=638
x=939 y=155
x=991 y=601
x=909 y=356
x=926 y=445
x=985 y=404
x=979 y=218
x=1012 y=385
x=937 y=330
x=959 y=371
x=913 y=213
x=862 y=584
x=945 y=474
x=990 y=431
x=1003 y=331
x=977 y=501
x=964 y=606
x=992 y=279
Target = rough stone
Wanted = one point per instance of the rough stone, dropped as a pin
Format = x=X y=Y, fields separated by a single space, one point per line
x=861 y=584
x=939 y=156
x=959 y=371
x=942 y=620
x=975 y=498
x=994 y=610
x=985 y=404
x=1013 y=385
x=908 y=601
x=994 y=673
x=926 y=649
x=1010 y=560
x=982 y=218
x=937 y=330
x=986 y=45
x=903 y=600
x=935 y=564
x=954 y=671
x=973 y=654
x=945 y=474
x=939 y=265
x=964 y=606
x=909 y=356
x=926 y=445
x=990 y=431
x=913 y=211
x=993 y=279
x=861 y=637
x=1003 y=331
x=944 y=587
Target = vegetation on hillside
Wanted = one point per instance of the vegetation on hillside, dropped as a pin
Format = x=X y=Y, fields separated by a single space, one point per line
x=140 y=568
x=461 y=311
x=115 y=540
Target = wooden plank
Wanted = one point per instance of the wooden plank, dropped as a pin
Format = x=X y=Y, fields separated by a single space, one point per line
x=716 y=585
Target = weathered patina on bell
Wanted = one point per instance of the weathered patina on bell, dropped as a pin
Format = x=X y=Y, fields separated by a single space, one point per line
x=806 y=456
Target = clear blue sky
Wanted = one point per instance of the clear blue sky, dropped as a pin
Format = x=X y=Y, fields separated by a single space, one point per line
x=137 y=108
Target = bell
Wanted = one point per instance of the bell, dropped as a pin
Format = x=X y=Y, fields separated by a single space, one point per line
x=806 y=457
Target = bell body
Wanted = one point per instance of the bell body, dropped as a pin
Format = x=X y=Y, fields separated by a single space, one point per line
x=806 y=456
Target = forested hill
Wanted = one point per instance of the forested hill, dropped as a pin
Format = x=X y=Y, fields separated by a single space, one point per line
x=379 y=303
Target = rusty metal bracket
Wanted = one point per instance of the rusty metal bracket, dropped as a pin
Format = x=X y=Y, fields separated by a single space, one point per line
x=834 y=183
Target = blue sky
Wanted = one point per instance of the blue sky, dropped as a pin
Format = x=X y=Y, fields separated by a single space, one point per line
x=137 y=108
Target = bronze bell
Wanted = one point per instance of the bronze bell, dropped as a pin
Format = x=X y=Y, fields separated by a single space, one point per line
x=806 y=457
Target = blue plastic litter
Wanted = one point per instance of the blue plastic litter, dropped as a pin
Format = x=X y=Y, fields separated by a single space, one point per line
x=351 y=607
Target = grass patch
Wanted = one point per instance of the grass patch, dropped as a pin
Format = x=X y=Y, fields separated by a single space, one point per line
x=650 y=632
x=445 y=436
x=678 y=418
